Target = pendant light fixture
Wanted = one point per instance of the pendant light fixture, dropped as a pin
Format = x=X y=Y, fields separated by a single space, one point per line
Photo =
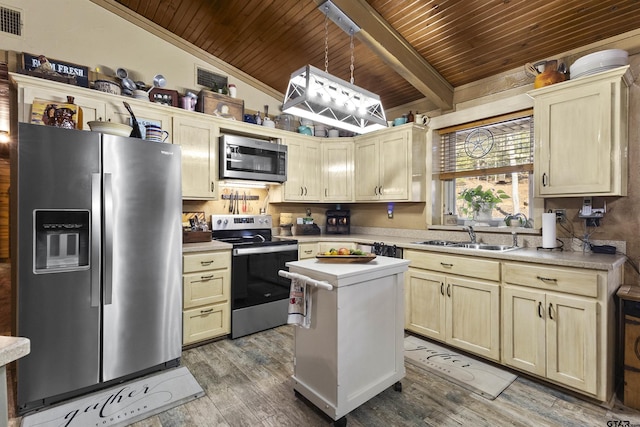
x=322 y=97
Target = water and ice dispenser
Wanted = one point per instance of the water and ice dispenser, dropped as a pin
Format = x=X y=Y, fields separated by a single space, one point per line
x=61 y=240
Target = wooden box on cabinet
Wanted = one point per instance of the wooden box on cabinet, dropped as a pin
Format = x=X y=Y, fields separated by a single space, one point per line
x=220 y=105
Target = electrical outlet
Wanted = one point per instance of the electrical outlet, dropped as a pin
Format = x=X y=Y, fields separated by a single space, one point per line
x=561 y=215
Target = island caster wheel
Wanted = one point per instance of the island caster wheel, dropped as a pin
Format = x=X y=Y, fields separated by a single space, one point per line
x=398 y=386
x=342 y=422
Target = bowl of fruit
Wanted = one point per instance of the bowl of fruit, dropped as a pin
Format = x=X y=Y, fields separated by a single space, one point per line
x=345 y=255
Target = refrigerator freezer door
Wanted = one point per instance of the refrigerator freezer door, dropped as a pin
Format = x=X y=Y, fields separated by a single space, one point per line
x=54 y=210
x=143 y=208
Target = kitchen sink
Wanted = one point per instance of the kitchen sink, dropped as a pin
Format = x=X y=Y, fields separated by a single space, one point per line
x=485 y=247
x=436 y=243
x=468 y=245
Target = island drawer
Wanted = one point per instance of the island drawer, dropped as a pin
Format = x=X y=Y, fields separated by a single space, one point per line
x=452 y=264
x=563 y=279
x=202 y=261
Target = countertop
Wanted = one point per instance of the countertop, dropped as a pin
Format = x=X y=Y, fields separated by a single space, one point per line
x=342 y=273
x=213 y=245
x=13 y=348
x=525 y=254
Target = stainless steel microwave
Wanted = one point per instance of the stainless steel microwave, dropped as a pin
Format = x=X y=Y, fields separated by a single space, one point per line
x=252 y=159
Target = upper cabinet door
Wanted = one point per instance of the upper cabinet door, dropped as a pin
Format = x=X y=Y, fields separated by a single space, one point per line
x=581 y=136
x=303 y=169
x=395 y=169
x=199 y=141
x=337 y=171
x=367 y=167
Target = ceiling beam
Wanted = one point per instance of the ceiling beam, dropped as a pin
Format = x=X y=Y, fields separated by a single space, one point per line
x=387 y=43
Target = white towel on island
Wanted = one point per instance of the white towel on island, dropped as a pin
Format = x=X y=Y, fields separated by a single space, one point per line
x=299 y=303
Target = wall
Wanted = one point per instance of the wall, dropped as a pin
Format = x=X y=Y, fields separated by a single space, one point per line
x=84 y=33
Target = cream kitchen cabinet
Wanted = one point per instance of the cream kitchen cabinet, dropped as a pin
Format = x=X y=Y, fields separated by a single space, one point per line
x=144 y=111
x=30 y=88
x=584 y=120
x=206 y=295
x=304 y=177
x=307 y=250
x=444 y=305
x=337 y=171
x=199 y=141
x=390 y=165
x=555 y=326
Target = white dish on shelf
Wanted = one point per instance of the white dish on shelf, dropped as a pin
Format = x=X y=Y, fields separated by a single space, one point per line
x=599 y=61
x=110 y=128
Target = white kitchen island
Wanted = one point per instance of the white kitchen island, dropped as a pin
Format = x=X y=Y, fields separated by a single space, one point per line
x=354 y=348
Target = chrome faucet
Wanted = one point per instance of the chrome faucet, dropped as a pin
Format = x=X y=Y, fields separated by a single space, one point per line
x=515 y=239
x=472 y=234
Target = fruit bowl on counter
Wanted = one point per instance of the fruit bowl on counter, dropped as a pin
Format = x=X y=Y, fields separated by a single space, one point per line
x=344 y=255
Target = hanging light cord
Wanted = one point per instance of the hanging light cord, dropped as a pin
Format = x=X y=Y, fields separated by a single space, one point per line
x=326 y=41
x=352 y=57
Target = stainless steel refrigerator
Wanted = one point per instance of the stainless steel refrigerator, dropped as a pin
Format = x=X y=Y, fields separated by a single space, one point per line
x=97 y=260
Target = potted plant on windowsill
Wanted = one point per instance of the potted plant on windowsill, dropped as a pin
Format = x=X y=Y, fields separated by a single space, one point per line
x=478 y=202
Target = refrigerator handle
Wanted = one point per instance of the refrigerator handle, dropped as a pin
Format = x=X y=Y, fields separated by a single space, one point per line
x=108 y=239
x=96 y=221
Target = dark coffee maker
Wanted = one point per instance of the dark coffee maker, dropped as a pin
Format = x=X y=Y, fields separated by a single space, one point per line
x=338 y=222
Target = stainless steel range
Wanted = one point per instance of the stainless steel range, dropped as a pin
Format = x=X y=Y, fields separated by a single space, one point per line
x=259 y=296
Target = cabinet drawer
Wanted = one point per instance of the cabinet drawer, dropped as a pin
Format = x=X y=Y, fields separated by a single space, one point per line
x=202 y=261
x=569 y=280
x=204 y=288
x=452 y=264
x=205 y=323
x=307 y=250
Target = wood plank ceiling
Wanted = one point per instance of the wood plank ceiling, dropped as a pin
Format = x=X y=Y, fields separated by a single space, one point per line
x=463 y=40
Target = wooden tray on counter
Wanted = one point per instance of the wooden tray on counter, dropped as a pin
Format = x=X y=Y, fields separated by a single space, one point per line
x=345 y=258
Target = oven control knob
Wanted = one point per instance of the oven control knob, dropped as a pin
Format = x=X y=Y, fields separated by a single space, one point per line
x=219 y=221
x=226 y=221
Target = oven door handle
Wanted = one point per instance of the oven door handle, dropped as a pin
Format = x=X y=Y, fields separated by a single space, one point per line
x=265 y=249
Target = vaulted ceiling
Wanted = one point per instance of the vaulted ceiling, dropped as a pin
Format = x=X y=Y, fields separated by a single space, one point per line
x=406 y=50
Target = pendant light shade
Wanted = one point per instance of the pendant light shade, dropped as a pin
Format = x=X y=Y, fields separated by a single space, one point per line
x=321 y=97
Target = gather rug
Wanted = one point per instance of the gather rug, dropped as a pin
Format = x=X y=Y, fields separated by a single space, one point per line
x=123 y=404
x=474 y=375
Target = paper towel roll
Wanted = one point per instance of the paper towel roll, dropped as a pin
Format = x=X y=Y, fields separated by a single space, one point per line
x=549 y=230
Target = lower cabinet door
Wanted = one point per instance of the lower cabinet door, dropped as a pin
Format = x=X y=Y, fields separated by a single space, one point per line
x=572 y=338
x=473 y=316
x=204 y=323
x=524 y=333
x=424 y=297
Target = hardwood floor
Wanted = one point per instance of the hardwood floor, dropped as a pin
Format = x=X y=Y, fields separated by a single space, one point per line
x=248 y=383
